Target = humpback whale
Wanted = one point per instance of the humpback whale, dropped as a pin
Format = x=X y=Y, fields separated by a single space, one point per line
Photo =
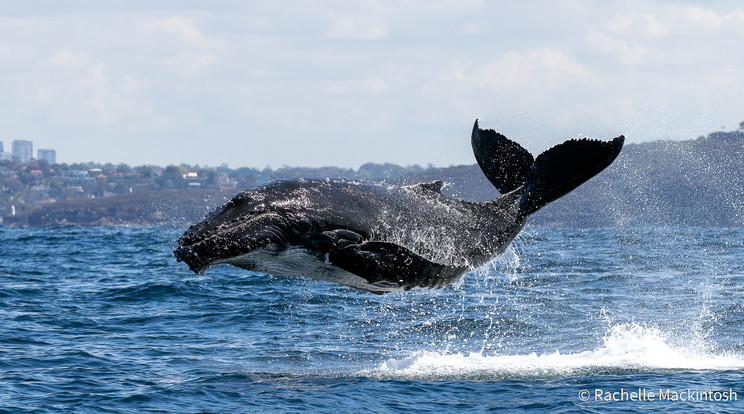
x=384 y=238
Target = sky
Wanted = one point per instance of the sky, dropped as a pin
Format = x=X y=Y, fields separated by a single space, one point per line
x=343 y=83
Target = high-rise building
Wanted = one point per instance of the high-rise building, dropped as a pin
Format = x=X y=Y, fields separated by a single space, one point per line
x=4 y=156
x=48 y=155
x=23 y=151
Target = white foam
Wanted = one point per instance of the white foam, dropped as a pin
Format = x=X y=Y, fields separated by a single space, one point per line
x=626 y=346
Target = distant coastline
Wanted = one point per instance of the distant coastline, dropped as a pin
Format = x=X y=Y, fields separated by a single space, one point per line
x=696 y=182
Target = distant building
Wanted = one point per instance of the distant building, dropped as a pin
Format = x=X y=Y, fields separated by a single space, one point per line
x=48 y=155
x=75 y=177
x=4 y=155
x=23 y=151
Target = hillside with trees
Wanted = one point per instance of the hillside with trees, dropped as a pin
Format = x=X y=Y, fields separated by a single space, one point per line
x=680 y=183
x=696 y=182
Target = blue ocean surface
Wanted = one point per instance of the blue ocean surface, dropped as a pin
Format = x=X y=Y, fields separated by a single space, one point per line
x=568 y=320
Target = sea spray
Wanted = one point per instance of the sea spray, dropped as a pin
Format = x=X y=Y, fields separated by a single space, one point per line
x=626 y=347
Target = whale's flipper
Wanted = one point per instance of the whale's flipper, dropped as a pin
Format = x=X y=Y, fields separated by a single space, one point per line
x=504 y=162
x=389 y=264
x=564 y=167
x=553 y=174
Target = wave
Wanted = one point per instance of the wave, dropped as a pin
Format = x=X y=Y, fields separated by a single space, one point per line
x=626 y=347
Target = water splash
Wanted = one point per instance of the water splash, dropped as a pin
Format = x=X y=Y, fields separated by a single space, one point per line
x=625 y=347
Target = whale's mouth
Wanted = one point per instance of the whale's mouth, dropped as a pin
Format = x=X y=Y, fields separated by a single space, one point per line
x=189 y=256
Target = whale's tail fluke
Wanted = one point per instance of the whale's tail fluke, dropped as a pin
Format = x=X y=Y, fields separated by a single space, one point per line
x=552 y=175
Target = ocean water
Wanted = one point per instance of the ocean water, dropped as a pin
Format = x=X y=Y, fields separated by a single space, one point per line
x=568 y=320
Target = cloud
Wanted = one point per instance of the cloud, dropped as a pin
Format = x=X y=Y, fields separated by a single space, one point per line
x=535 y=71
x=671 y=19
x=178 y=28
x=92 y=96
x=24 y=25
x=667 y=34
x=66 y=59
x=724 y=80
x=695 y=19
x=190 y=63
x=645 y=24
x=184 y=29
x=187 y=50
x=209 y=76
x=353 y=26
x=366 y=86
x=624 y=51
x=75 y=90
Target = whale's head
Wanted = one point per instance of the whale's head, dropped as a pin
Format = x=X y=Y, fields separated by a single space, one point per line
x=243 y=224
